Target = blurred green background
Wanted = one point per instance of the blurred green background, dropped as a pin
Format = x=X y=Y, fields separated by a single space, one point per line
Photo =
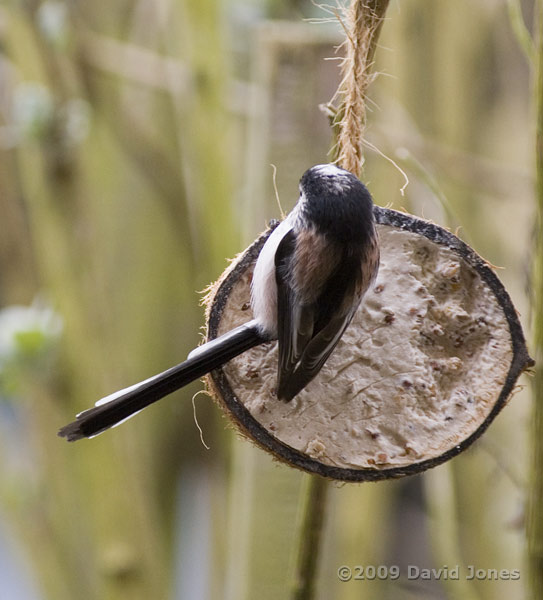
x=136 y=139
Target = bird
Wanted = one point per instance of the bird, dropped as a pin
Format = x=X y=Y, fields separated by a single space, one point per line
x=308 y=282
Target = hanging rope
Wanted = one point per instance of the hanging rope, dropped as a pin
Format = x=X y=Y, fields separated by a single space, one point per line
x=362 y=22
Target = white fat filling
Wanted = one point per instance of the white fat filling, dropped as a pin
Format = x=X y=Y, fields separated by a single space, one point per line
x=417 y=371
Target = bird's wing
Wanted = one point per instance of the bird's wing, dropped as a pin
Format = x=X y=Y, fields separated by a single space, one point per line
x=295 y=322
x=309 y=331
x=313 y=357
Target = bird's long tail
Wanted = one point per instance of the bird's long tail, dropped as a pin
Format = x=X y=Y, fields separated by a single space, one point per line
x=121 y=405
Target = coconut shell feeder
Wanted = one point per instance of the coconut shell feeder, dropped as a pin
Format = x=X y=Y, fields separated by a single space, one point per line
x=429 y=360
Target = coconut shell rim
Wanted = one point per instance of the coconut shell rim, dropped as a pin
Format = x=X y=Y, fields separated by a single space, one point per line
x=249 y=426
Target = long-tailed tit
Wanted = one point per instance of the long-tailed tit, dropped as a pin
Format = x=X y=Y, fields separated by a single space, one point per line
x=308 y=282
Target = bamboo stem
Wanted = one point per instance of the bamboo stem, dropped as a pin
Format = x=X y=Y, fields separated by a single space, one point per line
x=443 y=518
x=520 y=30
x=313 y=515
x=535 y=520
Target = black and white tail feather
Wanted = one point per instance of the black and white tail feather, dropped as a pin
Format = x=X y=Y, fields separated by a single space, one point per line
x=308 y=282
x=119 y=406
